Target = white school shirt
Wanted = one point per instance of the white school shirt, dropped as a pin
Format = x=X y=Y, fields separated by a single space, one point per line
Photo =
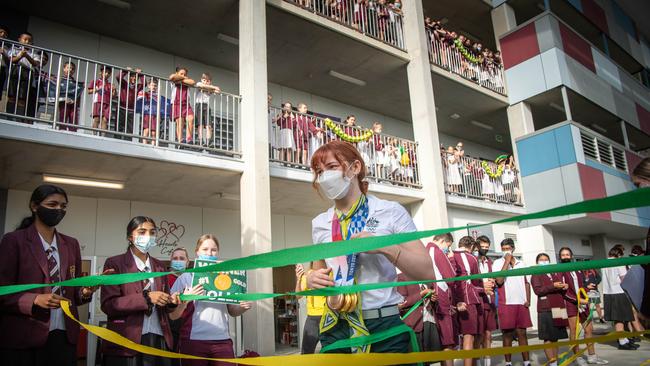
x=515 y=287
x=384 y=217
x=612 y=279
x=57 y=320
x=151 y=323
x=209 y=319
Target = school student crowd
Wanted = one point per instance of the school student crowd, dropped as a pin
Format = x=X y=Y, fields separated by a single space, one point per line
x=34 y=331
x=36 y=89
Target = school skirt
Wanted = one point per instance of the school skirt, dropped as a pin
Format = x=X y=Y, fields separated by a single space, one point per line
x=547 y=331
x=618 y=308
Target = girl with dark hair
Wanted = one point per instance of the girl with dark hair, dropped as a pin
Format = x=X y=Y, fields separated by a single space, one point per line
x=138 y=310
x=33 y=329
x=339 y=173
x=552 y=318
x=618 y=308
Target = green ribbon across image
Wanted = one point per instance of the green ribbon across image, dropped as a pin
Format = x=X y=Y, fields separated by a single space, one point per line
x=311 y=252
x=526 y=271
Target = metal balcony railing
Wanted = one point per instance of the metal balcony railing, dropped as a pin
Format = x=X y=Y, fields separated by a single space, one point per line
x=371 y=18
x=481 y=179
x=294 y=136
x=445 y=54
x=75 y=94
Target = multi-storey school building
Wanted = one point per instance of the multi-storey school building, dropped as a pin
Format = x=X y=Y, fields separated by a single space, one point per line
x=569 y=101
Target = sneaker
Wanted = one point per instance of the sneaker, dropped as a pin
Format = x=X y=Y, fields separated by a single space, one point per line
x=581 y=361
x=627 y=346
x=595 y=360
x=635 y=339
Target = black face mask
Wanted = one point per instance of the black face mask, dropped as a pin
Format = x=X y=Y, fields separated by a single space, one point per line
x=565 y=260
x=482 y=252
x=50 y=216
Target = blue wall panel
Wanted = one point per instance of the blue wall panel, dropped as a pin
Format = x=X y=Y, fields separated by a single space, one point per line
x=545 y=151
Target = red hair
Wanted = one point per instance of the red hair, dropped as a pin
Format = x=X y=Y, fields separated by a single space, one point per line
x=346 y=154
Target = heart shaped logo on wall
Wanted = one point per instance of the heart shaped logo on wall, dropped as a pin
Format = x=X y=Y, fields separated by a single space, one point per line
x=169 y=236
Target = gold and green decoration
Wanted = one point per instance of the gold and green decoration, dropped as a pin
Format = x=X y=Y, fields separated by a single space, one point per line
x=465 y=52
x=365 y=136
x=499 y=171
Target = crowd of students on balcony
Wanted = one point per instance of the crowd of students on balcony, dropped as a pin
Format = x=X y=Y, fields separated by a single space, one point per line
x=463 y=56
x=295 y=133
x=380 y=19
x=478 y=178
x=36 y=90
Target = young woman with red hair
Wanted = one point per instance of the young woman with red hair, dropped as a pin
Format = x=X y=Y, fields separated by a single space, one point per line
x=339 y=173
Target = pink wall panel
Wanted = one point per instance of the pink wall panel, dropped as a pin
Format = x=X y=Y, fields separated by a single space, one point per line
x=596 y=14
x=644 y=118
x=593 y=186
x=632 y=161
x=519 y=46
x=576 y=47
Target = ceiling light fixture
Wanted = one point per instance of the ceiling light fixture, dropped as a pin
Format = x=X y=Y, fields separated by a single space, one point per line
x=117 y=3
x=599 y=128
x=347 y=78
x=228 y=39
x=481 y=125
x=454 y=116
x=82 y=181
x=557 y=107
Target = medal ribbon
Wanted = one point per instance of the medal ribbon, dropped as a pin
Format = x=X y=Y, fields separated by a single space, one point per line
x=348 y=224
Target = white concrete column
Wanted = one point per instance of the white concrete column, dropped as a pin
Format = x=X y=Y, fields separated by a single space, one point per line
x=258 y=325
x=432 y=211
x=530 y=242
x=520 y=123
x=503 y=20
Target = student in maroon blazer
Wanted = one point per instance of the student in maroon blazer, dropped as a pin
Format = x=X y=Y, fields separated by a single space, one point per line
x=575 y=281
x=138 y=310
x=33 y=329
x=411 y=294
x=551 y=308
x=470 y=320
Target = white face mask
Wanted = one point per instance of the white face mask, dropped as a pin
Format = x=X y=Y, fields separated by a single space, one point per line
x=334 y=184
x=543 y=263
x=144 y=242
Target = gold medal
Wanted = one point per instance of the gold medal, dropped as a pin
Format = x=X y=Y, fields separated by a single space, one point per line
x=346 y=303
x=354 y=299
x=335 y=302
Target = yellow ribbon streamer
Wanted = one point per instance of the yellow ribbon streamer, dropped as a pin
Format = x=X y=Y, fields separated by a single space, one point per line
x=328 y=359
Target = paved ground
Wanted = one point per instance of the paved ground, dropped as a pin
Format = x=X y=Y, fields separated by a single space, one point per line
x=607 y=351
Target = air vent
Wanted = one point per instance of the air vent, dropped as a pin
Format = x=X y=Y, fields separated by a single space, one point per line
x=585 y=242
x=603 y=151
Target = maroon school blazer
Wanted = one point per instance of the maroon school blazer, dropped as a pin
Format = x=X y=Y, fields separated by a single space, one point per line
x=124 y=305
x=23 y=260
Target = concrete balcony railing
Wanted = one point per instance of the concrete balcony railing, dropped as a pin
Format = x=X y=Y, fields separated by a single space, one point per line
x=294 y=137
x=64 y=92
x=481 y=180
x=447 y=56
x=370 y=18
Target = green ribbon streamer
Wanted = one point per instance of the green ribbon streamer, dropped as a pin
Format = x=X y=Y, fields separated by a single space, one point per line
x=526 y=271
x=374 y=338
x=415 y=306
x=308 y=253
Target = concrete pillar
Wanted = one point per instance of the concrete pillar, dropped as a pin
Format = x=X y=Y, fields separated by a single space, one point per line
x=431 y=212
x=503 y=20
x=520 y=123
x=530 y=242
x=258 y=325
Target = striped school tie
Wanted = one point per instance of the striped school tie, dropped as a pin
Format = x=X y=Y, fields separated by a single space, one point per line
x=146 y=282
x=53 y=267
